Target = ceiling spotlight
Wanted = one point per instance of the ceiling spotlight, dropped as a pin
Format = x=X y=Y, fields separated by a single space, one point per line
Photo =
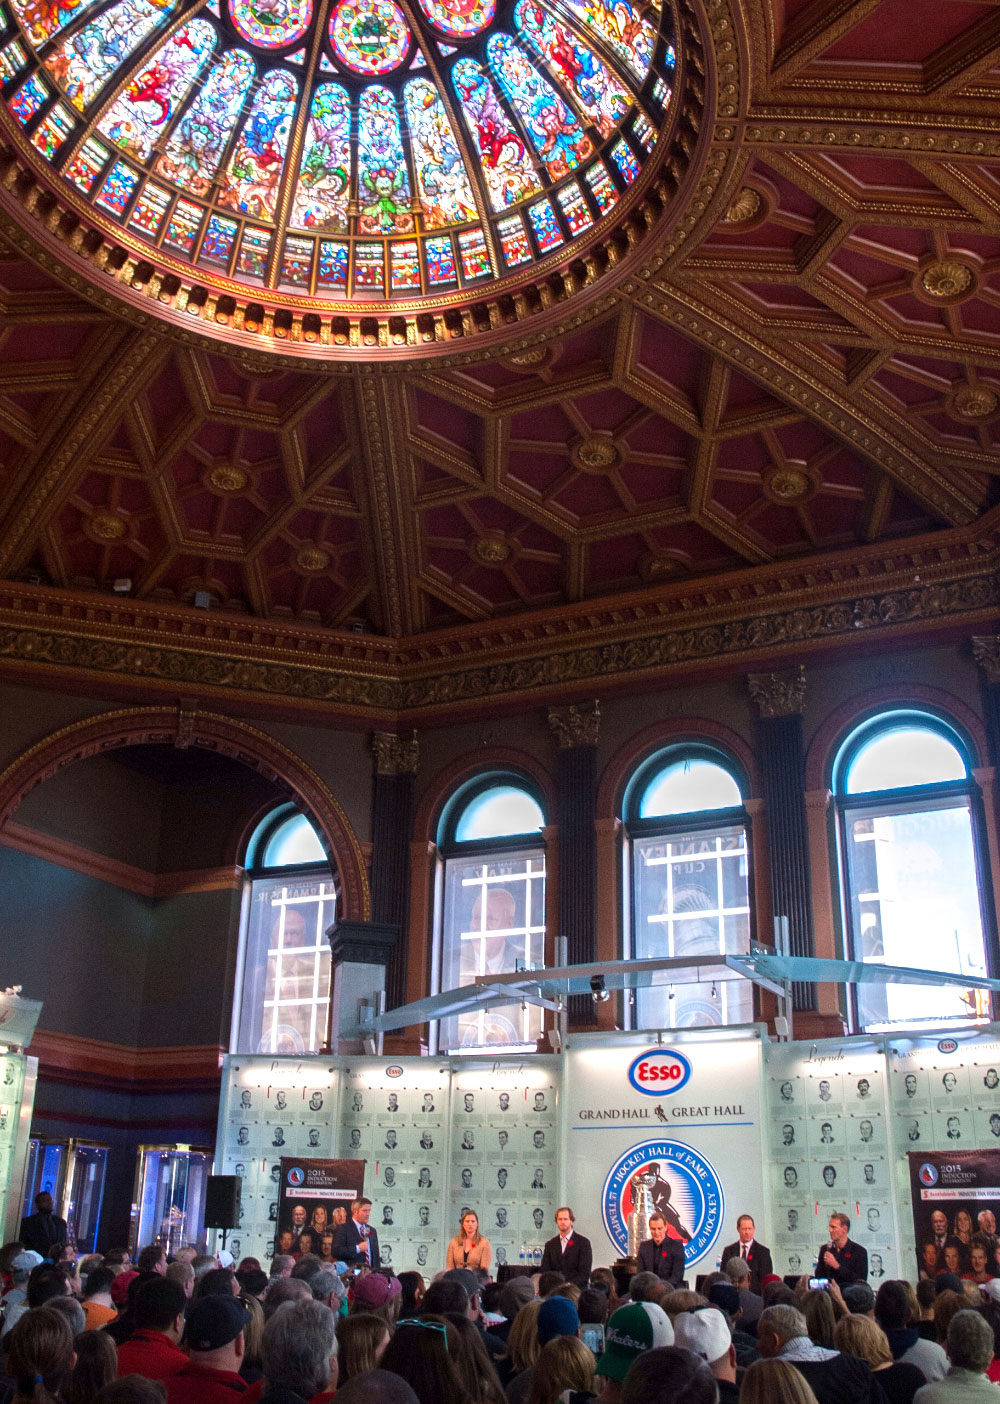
x=598 y=991
x=122 y=584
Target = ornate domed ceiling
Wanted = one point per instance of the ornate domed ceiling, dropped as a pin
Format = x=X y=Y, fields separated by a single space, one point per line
x=750 y=413
x=335 y=152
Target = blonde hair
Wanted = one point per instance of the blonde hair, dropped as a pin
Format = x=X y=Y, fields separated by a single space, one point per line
x=682 y=1300
x=40 y=1355
x=564 y=1363
x=863 y=1337
x=253 y=1331
x=358 y=1340
x=775 y=1382
x=523 y=1349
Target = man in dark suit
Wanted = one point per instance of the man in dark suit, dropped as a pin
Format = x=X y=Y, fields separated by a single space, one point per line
x=841 y=1259
x=755 y=1254
x=43 y=1230
x=356 y=1242
x=660 y=1254
x=569 y=1252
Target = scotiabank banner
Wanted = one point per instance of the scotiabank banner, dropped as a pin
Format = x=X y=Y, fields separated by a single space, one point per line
x=672 y=1129
x=956 y=1204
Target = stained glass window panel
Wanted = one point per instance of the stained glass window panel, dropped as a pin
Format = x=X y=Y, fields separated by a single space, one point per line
x=254 y=171
x=144 y=111
x=514 y=241
x=254 y=247
x=28 y=99
x=369 y=270
x=474 y=254
x=324 y=184
x=149 y=210
x=332 y=271
x=271 y=26
x=12 y=60
x=404 y=265
x=602 y=186
x=370 y=36
x=442 y=182
x=506 y=165
x=459 y=18
x=199 y=139
x=574 y=207
x=183 y=226
x=440 y=260
x=217 y=244
x=87 y=164
x=602 y=97
x=83 y=63
x=630 y=36
x=555 y=133
x=117 y=189
x=52 y=131
x=296 y=261
x=545 y=225
x=383 y=180
x=43 y=21
x=625 y=159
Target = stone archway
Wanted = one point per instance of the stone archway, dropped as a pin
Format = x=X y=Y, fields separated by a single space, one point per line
x=193 y=729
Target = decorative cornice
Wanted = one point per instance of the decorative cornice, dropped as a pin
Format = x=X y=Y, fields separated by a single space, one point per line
x=98 y=865
x=91 y=1062
x=757 y=615
x=575 y=726
x=393 y=755
x=986 y=651
x=778 y=694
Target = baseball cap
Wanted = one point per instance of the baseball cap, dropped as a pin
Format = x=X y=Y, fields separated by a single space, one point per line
x=224 y=1258
x=557 y=1316
x=991 y=1289
x=465 y=1278
x=212 y=1322
x=27 y=1261
x=633 y=1329
x=119 y=1288
x=705 y=1332
x=858 y=1298
x=947 y=1282
x=374 y=1290
x=725 y=1297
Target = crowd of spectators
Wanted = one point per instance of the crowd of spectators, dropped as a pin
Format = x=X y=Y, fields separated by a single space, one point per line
x=198 y=1328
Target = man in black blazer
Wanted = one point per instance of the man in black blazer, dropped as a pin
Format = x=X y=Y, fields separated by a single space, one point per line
x=356 y=1242
x=43 y=1230
x=756 y=1255
x=569 y=1252
x=660 y=1254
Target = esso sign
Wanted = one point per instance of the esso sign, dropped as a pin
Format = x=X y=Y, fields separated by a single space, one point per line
x=659 y=1072
x=394 y=1070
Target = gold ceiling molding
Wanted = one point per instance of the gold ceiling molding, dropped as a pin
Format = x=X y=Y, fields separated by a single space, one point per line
x=779 y=694
x=644 y=639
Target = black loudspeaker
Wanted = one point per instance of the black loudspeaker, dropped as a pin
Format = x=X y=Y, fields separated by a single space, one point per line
x=222 y=1201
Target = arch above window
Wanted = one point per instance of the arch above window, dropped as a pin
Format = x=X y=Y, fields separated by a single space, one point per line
x=684 y=779
x=285 y=838
x=501 y=805
x=900 y=750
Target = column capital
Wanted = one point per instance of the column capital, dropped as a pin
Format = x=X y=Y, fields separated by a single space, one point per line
x=986 y=652
x=575 y=726
x=393 y=755
x=818 y=799
x=779 y=694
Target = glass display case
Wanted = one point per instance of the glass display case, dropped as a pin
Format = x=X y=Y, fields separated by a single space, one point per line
x=73 y=1172
x=169 y=1202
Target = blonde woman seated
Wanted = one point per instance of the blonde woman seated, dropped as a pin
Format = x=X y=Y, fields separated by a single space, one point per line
x=469 y=1249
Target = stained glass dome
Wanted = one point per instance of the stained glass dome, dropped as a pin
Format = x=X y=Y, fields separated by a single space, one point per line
x=343 y=149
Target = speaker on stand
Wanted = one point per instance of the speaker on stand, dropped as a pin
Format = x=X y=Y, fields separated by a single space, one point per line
x=223 y=1197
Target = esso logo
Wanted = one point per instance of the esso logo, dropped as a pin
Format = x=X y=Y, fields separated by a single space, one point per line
x=659 y=1072
x=947 y=1045
x=394 y=1071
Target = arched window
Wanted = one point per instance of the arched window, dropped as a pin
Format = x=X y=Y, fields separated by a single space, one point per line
x=909 y=833
x=492 y=903
x=689 y=869
x=283 y=981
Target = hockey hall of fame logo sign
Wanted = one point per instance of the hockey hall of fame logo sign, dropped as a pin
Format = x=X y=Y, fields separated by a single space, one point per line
x=683 y=1186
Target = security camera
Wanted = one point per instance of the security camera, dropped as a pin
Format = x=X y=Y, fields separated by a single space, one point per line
x=598 y=993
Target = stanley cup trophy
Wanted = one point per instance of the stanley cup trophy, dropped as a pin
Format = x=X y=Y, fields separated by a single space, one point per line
x=642 y=1207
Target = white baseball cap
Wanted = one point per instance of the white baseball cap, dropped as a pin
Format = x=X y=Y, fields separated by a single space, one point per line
x=705 y=1332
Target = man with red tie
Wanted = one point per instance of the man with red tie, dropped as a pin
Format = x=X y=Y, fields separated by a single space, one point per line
x=569 y=1252
x=754 y=1254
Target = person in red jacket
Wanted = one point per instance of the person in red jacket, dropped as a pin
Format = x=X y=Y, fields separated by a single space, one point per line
x=214 y=1338
x=153 y=1350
